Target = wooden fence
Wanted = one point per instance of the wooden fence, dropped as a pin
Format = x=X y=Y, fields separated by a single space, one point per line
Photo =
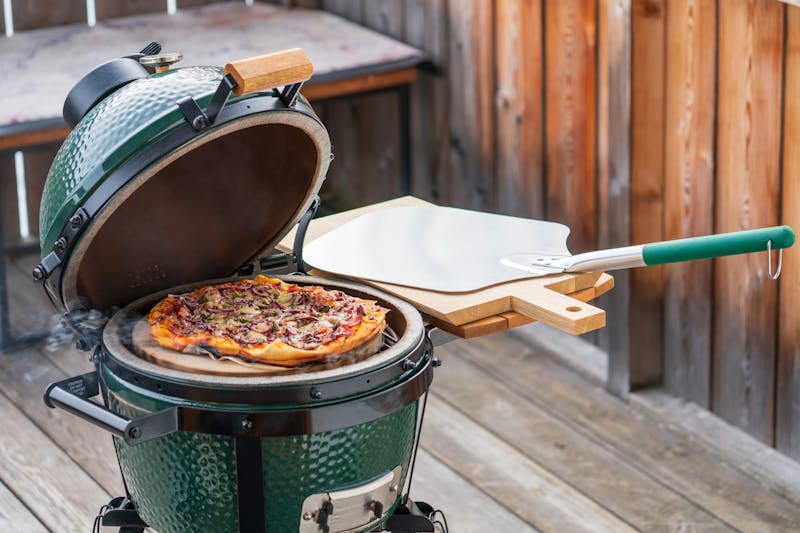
x=628 y=120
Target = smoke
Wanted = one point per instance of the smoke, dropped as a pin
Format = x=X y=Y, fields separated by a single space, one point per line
x=81 y=328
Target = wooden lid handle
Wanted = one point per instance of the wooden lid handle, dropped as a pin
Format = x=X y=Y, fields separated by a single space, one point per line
x=269 y=71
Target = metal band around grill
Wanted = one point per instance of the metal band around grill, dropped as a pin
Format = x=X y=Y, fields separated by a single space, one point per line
x=50 y=270
x=302 y=393
x=73 y=395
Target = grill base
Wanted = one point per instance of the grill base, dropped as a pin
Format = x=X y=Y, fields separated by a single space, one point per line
x=415 y=517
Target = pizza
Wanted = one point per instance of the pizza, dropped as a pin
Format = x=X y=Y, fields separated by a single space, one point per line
x=267 y=320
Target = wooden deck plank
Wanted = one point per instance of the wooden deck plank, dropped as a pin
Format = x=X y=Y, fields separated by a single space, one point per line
x=574 y=351
x=601 y=474
x=531 y=492
x=539 y=445
x=767 y=466
x=468 y=510
x=773 y=470
x=24 y=376
x=30 y=310
x=697 y=473
x=44 y=477
x=14 y=516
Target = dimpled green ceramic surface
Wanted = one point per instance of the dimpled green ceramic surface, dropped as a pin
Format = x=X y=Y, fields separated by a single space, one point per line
x=121 y=125
x=186 y=482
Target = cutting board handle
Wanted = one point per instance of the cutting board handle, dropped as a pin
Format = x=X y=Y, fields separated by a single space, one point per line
x=558 y=310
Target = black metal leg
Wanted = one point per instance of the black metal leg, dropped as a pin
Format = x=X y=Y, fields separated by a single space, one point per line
x=121 y=513
x=404 y=95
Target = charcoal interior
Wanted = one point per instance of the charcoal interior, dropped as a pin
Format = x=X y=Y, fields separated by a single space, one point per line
x=202 y=216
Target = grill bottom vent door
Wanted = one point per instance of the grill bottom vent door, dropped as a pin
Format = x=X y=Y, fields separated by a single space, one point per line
x=352 y=509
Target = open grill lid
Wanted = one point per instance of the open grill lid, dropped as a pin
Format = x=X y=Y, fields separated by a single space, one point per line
x=172 y=179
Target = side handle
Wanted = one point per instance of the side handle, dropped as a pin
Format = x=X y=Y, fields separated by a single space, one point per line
x=72 y=395
x=269 y=71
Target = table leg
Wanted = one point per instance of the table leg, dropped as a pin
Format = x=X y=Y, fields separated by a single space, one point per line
x=5 y=332
x=404 y=96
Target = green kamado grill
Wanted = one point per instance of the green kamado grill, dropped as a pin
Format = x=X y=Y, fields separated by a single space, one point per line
x=174 y=178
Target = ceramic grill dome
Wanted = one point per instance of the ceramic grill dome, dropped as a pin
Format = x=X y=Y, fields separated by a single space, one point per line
x=170 y=181
x=172 y=166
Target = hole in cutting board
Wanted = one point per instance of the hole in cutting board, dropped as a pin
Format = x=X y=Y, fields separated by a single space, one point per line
x=573 y=308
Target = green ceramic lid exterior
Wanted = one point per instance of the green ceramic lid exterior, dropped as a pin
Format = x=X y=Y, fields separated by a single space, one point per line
x=121 y=125
x=740 y=242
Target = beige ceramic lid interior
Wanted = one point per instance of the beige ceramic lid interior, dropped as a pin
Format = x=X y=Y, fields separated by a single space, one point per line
x=202 y=211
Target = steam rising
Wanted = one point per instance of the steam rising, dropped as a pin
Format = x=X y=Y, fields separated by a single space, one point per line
x=81 y=328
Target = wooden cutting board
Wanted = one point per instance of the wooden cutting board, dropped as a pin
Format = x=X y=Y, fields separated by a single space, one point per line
x=544 y=299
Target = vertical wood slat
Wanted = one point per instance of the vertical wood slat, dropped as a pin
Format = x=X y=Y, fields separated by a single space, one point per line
x=613 y=187
x=570 y=100
x=600 y=338
x=648 y=18
x=471 y=100
x=382 y=112
x=365 y=169
x=365 y=130
x=748 y=161
x=689 y=194
x=787 y=431
x=32 y=14
x=426 y=28
x=519 y=60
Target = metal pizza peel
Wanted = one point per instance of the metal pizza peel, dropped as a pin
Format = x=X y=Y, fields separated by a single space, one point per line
x=456 y=250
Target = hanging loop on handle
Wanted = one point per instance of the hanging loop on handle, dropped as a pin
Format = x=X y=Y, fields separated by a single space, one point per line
x=777 y=274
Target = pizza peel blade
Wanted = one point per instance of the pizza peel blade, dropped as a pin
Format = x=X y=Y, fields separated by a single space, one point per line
x=455 y=250
x=437 y=248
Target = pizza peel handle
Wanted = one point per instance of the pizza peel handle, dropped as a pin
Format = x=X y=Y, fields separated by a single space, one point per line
x=269 y=71
x=675 y=251
x=739 y=242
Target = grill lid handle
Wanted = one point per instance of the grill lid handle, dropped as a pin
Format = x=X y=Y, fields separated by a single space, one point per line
x=287 y=69
x=265 y=72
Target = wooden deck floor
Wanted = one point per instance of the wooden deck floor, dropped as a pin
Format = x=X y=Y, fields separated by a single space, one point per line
x=519 y=436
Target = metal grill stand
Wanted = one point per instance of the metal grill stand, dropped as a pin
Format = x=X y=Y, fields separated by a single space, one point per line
x=413 y=517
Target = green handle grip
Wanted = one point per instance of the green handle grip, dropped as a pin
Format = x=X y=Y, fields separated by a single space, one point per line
x=738 y=242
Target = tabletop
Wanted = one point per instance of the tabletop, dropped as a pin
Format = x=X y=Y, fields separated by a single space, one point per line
x=39 y=67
